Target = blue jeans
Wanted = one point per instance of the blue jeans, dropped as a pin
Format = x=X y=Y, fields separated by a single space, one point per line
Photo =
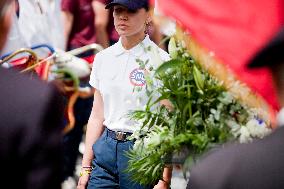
x=110 y=163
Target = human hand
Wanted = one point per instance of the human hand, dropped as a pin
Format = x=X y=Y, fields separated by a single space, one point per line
x=83 y=180
x=162 y=185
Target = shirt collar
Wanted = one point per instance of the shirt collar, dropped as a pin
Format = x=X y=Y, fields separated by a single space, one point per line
x=280 y=117
x=136 y=50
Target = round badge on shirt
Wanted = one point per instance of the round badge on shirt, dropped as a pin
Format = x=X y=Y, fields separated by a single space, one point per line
x=137 y=77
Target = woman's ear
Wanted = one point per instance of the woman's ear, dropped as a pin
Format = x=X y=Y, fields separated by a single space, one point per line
x=149 y=18
x=150 y=15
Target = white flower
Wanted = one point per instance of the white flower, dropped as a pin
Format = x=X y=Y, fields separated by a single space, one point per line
x=153 y=140
x=137 y=145
x=226 y=98
x=235 y=128
x=245 y=136
x=257 y=129
x=246 y=133
x=216 y=114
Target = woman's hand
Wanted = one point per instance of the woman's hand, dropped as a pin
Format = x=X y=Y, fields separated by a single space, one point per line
x=162 y=185
x=83 y=181
x=165 y=182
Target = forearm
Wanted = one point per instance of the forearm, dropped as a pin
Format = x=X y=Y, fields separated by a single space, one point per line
x=165 y=181
x=101 y=23
x=95 y=129
x=102 y=37
x=167 y=175
x=67 y=18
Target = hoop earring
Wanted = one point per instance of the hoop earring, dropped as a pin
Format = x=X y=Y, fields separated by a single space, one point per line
x=146 y=27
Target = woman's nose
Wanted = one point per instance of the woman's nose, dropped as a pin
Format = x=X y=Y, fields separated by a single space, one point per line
x=123 y=17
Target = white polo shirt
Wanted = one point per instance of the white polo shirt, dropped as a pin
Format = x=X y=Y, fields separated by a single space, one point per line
x=115 y=73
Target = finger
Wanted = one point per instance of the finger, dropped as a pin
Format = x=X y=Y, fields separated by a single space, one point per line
x=81 y=187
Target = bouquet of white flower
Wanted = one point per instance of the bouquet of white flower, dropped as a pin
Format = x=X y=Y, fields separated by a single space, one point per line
x=204 y=115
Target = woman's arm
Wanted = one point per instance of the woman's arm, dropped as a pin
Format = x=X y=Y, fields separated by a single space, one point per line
x=67 y=18
x=166 y=181
x=101 y=22
x=94 y=130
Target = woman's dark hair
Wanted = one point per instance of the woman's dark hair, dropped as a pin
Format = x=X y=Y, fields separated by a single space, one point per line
x=147 y=7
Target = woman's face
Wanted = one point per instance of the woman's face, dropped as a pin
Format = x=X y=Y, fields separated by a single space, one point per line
x=129 y=23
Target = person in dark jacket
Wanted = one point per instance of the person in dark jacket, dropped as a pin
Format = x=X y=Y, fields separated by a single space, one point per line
x=30 y=125
x=258 y=164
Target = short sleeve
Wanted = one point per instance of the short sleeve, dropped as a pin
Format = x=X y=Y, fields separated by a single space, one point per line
x=94 y=77
x=68 y=5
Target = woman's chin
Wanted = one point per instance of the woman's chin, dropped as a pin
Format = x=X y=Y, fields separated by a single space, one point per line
x=123 y=33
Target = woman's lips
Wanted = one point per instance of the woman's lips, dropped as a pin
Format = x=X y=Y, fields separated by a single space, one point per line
x=122 y=26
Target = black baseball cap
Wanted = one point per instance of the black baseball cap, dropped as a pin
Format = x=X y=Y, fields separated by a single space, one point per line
x=129 y=4
x=271 y=54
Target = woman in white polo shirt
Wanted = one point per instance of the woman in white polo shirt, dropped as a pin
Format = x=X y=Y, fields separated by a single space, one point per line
x=115 y=74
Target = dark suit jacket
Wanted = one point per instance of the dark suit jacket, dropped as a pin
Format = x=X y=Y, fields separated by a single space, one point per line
x=30 y=132
x=259 y=165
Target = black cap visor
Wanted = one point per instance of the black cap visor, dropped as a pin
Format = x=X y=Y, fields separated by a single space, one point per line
x=111 y=5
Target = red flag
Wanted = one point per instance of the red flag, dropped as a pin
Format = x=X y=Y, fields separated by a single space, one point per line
x=234 y=30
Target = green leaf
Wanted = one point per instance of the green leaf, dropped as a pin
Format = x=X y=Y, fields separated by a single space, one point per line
x=172 y=48
x=171 y=64
x=68 y=74
x=157 y=168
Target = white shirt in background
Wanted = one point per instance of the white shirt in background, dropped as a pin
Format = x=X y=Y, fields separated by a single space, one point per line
x=39 y=23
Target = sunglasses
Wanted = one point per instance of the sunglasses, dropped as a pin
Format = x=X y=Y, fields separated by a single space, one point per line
x=120 y=9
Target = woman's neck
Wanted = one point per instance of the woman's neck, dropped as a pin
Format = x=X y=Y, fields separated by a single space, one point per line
x=129 y=42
